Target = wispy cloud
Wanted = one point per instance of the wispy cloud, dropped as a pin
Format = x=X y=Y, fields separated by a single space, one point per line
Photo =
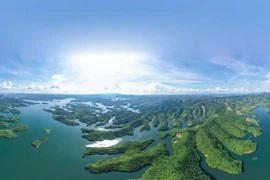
x=240 y=67
x=96 y=72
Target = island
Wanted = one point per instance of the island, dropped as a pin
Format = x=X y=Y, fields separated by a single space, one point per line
x=47 y=131
x=38 y=142
x=8 y=134
x=15 y=111
x=20 y=127
x=141 y=145
x=14 y=119
x=4 y=124
x=132 y=160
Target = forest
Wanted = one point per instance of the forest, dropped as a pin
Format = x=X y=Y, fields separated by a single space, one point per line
x=213 y=126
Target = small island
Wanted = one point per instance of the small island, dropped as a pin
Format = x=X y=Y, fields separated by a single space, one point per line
x=38 y=142
x=15 y=111
x=8 y=134
x=141 y=145
x=4 y=124
x=20 y=127
x=47 y=131
x=14 y=119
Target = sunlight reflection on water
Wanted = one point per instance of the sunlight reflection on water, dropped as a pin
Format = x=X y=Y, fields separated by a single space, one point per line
x=105 y=143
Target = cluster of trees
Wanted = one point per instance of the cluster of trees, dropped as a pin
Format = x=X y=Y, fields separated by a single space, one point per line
x=183 y=164
x=145 y=126
x=4 y=124
x=97 y=135
x=65 y=120
x=9 y=101
x=235 y=145
x=38 y=142
x=11 y=119
x=176 y=123
x=141 y=145
x=237 y=125
x=8 y=134
x=15 y=111
x=14 y=119
x=132 y=160
x=215 y=155
x=20 y=127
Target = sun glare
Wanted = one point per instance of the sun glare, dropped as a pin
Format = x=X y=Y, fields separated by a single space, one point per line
x=106 y=65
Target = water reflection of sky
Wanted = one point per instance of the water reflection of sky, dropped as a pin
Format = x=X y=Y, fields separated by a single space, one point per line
x=105 y=143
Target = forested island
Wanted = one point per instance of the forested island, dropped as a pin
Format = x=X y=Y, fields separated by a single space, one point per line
x=38 y=142
x=15 y=111
x=140 y=145
x=47 y=131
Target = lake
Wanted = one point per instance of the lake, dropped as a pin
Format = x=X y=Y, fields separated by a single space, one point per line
x=60 y=157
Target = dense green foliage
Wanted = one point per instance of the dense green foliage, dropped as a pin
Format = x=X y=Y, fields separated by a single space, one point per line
x=132 y=160
x=7 y=134
x=15 y=111
x=183 y=164
x=4 y=124
x=176 y=123
x=7 y=102
x=141 y=145
x=237 y=146
x=215 y=155
x=97 y=135
x=65 y=120
x=14 y=119
x=11 y=119
x=145 y=126
x=20 y=127
x=38 y=142
x=214 y=124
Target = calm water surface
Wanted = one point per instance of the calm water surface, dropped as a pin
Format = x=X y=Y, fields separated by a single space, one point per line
x=60 y=157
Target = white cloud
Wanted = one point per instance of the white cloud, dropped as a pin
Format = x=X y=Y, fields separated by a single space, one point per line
x=6 y=85
x=238 y=65
x=58 y=78
x=14 y=72
x=96 y=73
x=268 y=76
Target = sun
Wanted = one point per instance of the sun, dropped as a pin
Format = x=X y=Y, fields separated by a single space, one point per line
x=98 y=70
x=106 y=66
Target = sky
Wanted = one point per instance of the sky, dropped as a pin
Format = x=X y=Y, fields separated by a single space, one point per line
x=134 y=46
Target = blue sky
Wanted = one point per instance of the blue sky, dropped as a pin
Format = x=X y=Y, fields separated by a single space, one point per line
x=139 y=46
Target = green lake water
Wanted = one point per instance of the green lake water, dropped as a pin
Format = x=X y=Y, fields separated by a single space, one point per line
x=60 y=157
